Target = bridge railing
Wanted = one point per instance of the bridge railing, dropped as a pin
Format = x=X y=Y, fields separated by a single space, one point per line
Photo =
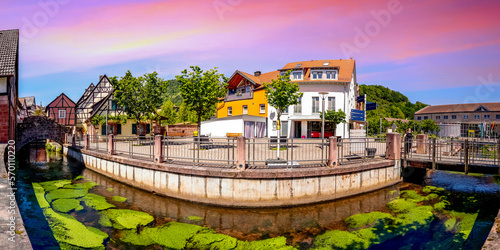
x=355 y=150
x=134 y=146
x=98 y=142
x=439 y=150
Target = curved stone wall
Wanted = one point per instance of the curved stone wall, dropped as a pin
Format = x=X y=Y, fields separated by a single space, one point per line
x=248 y=188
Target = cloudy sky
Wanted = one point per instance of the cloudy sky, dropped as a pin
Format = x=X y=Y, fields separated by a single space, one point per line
x=437 y=52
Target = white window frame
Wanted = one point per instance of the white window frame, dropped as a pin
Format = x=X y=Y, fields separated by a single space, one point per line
x=335 y=76
x=315 y=108
x=330 y=100
x=245 y=109
x=262 y=108
x=292 y=76
x=318 y=73
x=63 y=112
x=229 y=111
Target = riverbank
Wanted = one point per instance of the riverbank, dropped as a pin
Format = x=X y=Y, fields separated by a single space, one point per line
x=493 y=240
x=12 y=232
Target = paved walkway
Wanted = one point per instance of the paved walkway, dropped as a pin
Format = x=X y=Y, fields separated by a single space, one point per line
x=12 y=232
x=493 y=240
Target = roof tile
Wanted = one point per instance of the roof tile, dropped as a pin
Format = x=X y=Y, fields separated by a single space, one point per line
x=9 y=40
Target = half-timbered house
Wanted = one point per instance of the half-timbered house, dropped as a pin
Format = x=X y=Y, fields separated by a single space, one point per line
x=90 y=98
x=62 y=110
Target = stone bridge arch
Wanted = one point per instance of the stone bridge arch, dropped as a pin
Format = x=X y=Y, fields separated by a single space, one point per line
x=36 y=128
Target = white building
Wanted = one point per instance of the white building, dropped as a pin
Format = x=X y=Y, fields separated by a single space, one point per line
x=337 y=78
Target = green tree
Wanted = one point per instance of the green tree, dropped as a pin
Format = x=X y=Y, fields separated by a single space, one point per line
x=39 y=112
x=140 y=96
x=201 y=91
x=280 y=94
x=167 y=113
x=334 y=117
x=430 y=126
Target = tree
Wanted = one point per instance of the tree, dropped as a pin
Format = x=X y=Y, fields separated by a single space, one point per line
x=430 y=126
x=201 y=91
x=334 y=117
x=280 y=94
x=39 y=112
x=140 y=96
x=185 y=114
x=168 y=113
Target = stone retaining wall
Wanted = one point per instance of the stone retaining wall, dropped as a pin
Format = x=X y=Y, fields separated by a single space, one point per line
x=247 y=188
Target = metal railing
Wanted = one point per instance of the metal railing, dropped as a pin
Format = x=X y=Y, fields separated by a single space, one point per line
x=438 y=150
x=262 y=153
x=356 y=150
x=79 y=140
x=98 y=142
x=134 y=146
x=200 y=151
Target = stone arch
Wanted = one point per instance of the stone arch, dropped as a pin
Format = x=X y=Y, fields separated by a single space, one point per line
x=36 y=128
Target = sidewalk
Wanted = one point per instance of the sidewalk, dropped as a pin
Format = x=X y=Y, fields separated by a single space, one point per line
x=12 y=232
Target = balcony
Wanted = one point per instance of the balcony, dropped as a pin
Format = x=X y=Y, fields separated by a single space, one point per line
x=233 y=95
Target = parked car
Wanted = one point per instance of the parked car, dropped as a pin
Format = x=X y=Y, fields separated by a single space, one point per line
x=317 y=134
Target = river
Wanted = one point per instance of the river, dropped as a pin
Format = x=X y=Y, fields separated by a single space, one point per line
x=300 y=225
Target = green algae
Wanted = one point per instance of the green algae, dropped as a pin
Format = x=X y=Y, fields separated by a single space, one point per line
x=90 y=184
x=211 y=241
x=272 y=243
x=194 y=218
x=466 y=223
x=450 y=224
x=414 y=219
x=373 y=236
x=105 y=221
x=411 y=195
x=337 y=239
x=53 y=185
x=40 y=195
x=110 y=189
x=441 y=206
x=363 y=219
x=96 y=202
x=66 y=205
x=78 y=178
x=118 y=198
x=65 y=193
x=75 y=186
x=128 y=219
x=432 y=189
x=401 y=205
x=431 y=197
x=71 y=232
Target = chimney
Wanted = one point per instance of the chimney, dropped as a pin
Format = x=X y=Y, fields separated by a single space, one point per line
x=100 y=77
x=257 y=73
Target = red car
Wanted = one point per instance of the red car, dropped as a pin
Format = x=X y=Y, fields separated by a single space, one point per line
x=317 y=134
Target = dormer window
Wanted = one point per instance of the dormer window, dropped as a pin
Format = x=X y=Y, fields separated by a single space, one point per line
x=297 y=75
x=326 y=63
x=331 y=75
x=298 y=65
x=316 y=75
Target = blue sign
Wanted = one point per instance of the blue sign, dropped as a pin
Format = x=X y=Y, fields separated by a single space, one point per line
x=371 y=106
x=360 y=98
x=357 y=115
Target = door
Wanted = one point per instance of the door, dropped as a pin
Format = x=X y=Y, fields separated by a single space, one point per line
x=249 y=130
x=298 y=129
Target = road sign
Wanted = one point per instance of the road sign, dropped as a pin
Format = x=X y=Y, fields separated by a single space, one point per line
x=371 y=106
x=357 y=115
x=360 y=98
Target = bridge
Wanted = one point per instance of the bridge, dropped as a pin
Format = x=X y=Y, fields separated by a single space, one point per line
x=479 y=155
x=38 y=128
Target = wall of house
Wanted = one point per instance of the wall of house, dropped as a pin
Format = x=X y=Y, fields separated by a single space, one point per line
x=460 y=117
x=219 y=128
x=259 y=97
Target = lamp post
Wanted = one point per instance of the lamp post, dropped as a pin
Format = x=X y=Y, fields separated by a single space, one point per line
x=323 y=96
x=380 y=134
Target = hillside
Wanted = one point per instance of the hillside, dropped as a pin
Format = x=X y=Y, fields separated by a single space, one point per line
x=173 y=93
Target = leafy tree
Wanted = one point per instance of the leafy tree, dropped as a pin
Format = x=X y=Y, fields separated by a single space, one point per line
x=430 y=126
x=39 y=112
x=334 y=117
x=186 y=115
x=140 y=96
x=167 y=113
x=201 y=91
x=280 y=94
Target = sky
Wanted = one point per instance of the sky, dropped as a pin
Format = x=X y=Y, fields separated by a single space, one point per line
x=436 y=52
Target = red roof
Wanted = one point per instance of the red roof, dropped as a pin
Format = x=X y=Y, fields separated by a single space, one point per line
x=458 y=108
x=345 y=67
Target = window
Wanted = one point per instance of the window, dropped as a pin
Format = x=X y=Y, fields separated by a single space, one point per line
x=3 y=84
x=118 y=129
x=229 y=110
x=326 y=63
x=486 y=117
x=419 y=118
x=426 y=117
x=298 y=107
x=438 y=117
x=476 y=117
x=134 y=129
x=317 y=75
x=453 y=117
x=148 y=128
x=331 y=103
x=297 y=75
x=498 y=116
x=114 y=105
x=445 y=117
x=103 y=129
x=245 y=109
x=315 y=104
x=466 y=117
x=62 y=114
x=331 y=75
x=262 y=108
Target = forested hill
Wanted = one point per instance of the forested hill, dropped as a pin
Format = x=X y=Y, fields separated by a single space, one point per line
x=390 y=103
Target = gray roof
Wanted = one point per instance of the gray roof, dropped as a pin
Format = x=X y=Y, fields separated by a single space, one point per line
x=9 y=40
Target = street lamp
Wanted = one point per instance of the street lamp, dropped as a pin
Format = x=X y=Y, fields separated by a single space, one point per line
x=380 y=134
x=323 y=96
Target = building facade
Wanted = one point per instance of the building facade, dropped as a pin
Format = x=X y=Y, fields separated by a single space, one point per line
x=62 y=110
x=245 y=109
x=9 y=83
x=471 y=119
